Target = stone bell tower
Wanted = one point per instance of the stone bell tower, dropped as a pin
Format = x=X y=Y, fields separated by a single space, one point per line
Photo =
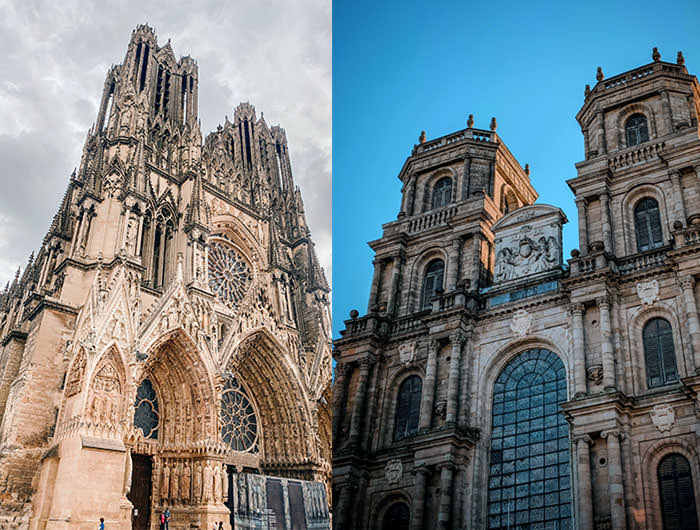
x=430 y=267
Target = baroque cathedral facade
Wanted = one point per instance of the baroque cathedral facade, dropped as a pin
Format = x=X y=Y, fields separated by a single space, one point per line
x=169 y=344
x=493 y=385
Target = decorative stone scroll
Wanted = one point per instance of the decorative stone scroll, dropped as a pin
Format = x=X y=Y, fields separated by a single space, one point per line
x=528 y=241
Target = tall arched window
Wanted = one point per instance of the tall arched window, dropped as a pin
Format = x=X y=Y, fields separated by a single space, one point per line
x=659 y=353
x=432 y=282
x=636 y=130
x=146 y=413
x=677 y=496
x=397 y=517
x=647 y=225
x=442 y=192
x=529 y=481
x=408 y=407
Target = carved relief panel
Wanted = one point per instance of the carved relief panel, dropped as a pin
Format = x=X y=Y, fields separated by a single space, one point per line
x=528 y=241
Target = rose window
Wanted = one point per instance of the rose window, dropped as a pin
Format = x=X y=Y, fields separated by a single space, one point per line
x=239 y=426
x=229 y=274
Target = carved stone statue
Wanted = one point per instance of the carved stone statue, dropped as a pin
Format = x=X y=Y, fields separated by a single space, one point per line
x=197 y=483
x=185 y=483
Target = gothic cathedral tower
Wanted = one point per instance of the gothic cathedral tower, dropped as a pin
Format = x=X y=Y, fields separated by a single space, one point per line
x=169 y=344
x=490 y=384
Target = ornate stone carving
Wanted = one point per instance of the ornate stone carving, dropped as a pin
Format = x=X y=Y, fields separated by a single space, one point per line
x=528 y=242
x=407 y=352
x=393 y=471
x=521 y=323
x=441 y=409
x=595 y=374
x=648 y=291
x=663 y=417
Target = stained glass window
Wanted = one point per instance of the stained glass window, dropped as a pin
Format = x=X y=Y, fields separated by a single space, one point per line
x=529 y=481
x=229 y=273
x=146 y=414
x=407 y=407
x=239 y=426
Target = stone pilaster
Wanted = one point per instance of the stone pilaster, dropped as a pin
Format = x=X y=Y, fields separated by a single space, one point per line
x=687 y=284
x=339 y=395
x=584 y=491
x=606 y=226
x=606 y=343
x=394 y=286
x=457 y=340
x=616 y=490
x=419 y=482
x=426 y=405
x=340 y=512
x=453 y=264
x=576 y=311
x=360 y=399
x=446 y=475
x=675 y=177
x=374 y=289
x=582 y=205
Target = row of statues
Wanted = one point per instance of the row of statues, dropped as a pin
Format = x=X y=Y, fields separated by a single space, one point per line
x=185 y=482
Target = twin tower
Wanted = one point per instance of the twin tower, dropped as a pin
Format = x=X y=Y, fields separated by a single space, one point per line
x=169 y=344
x=493 y=385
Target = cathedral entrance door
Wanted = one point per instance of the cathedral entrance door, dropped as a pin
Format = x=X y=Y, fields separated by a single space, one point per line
x=140 y=493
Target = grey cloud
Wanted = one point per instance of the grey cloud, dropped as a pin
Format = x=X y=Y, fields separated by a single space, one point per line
x=275 y=54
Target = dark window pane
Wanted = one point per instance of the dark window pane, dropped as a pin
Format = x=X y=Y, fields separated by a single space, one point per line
x=408 y=407
x=535 y=435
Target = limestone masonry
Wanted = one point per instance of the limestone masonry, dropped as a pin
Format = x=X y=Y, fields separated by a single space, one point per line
x=169 y=344
x=491 y=384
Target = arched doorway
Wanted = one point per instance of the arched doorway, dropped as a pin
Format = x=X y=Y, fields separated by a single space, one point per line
x=397 y=517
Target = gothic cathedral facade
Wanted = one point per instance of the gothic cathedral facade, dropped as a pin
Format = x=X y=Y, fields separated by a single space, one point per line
x=493 y=385
x=169 y=344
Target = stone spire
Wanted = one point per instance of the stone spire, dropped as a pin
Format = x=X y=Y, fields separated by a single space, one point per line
x=197 y=212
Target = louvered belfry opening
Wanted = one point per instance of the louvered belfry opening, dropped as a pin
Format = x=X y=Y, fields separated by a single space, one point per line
x=408 y=407
x=677 y=495
x=647 y=225
x=636 y=130
x=442 y=192
x=432 y=283
x=659 y=353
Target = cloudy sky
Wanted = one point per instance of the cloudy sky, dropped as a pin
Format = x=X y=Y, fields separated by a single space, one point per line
x=274 y=54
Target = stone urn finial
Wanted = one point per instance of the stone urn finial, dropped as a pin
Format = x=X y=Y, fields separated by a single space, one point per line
x=680 y=60
x=470 y=120
x=655 y=54
x=587 y=90
x=421 y=138
x=493 y=124
x=599 y=74
x=527 y=169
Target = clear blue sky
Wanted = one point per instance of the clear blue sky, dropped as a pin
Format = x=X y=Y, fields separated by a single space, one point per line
x=403 y=67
